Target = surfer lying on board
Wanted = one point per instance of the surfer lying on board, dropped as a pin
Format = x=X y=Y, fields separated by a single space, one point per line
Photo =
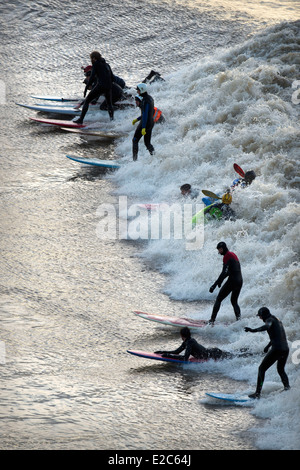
x=193 y=348
x=279 y=349
x=233 y=285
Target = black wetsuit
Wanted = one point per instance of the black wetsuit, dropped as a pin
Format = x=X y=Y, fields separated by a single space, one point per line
x=193 y=348
x=279 y=351
x=232 y=269
x=116 y=95
x=146 y=122
x=101 y=72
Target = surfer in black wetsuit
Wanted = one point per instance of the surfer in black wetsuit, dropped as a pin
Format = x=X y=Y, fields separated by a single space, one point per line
x=232 y=270
x=245 y=181
x=117 y=94
x=279 y=349
x=193 y=348
x=146 y=122
x=153 y=77
x=102 y=76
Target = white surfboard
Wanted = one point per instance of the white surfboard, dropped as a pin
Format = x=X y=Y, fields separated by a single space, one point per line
x=95 y=162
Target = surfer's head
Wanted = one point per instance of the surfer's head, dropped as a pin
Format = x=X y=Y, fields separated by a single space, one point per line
x=185 y=333
x=222 y=248
x=249 y=176
x=264 y=313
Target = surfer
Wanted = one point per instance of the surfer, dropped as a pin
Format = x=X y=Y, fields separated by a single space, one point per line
x=158 y=116
x=187 y=190
x=279 y=349
x=102 y=76
x=153 y=77
x=146 y=122
x=233 y=285
x=193 y=348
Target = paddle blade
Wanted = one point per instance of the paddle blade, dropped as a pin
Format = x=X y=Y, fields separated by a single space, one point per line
x=239 y=170
x=210 y=194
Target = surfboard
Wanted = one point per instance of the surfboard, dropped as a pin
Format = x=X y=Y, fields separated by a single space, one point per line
x=239 y=170
x=172 y=321
x=52 y=109
x=58 y=123
x=53 y=98
x=95 y=162
x=230 y=397
x=159 y=357
x=94 y=133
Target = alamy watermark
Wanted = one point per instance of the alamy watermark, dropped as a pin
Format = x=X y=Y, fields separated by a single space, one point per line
x=152 y=222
